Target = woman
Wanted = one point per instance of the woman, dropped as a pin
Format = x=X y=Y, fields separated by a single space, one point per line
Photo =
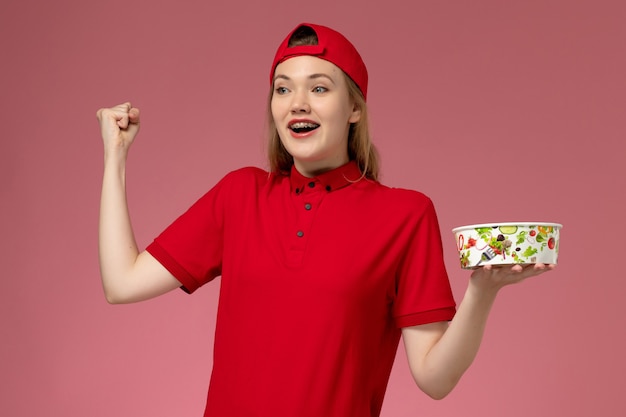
x=322 y=268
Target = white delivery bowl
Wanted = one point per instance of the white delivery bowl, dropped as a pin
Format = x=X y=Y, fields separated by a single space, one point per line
x=507 y=243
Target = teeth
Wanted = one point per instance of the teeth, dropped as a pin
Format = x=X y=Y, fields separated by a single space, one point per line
x=303 y=125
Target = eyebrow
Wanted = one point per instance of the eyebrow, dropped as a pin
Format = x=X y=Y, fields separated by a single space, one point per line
x=311 y=77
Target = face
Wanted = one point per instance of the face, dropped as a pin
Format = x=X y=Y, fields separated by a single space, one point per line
x=313 y=111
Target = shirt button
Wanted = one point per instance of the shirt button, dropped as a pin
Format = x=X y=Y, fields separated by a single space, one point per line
x=311 y=184
x=307 y=206
x=300 y=233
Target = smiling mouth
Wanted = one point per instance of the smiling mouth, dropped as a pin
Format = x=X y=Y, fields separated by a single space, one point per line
x=303 y=127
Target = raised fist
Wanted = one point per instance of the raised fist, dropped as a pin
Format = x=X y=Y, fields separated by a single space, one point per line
x=119 y=126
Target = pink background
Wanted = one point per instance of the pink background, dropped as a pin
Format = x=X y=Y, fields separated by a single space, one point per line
x=498 y=110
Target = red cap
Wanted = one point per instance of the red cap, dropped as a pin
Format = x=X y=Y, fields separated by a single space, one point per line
x=333 y=47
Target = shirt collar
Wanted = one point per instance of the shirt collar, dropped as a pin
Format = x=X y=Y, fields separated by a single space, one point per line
x=330 y=181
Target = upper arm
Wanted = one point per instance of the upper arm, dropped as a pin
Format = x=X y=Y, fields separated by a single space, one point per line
x=418 y=341
x=147 y=279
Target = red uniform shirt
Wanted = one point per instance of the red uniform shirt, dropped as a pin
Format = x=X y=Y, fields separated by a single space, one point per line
x=318 y=276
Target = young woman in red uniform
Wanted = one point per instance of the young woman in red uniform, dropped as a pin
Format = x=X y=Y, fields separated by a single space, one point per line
x=323 y=269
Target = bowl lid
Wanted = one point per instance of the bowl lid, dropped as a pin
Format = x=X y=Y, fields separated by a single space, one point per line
x=498 y=224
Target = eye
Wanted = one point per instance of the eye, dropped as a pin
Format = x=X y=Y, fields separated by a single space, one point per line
x=281 y=90
x=320 y=89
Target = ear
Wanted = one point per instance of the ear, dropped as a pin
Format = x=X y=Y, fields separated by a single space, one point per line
x=355 y=116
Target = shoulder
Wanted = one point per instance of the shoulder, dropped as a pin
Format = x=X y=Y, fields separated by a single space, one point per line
x=403 y=200
x=233 y=183
x=246 y=177
x=247 y=173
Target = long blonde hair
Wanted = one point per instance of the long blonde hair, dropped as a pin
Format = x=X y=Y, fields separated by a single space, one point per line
x=360 y=146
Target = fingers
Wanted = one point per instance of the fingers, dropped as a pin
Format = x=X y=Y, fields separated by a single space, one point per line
x=123 y=114
x=502 y=275
x=118 y=125
x=123 y=108
x=539 y=268
x=531 y=269
x=133 y=115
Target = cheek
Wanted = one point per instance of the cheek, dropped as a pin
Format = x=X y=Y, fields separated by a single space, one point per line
x=278 y=108
x=343 y=112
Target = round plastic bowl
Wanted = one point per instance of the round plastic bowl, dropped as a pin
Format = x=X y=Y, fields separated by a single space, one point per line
x=507 y=243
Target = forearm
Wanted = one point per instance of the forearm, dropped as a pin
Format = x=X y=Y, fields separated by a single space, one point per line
x=449 y=358
x=439 y=353
x=117 y=247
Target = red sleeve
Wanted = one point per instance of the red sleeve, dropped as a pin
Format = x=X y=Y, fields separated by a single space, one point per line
x=191 y=247
x=423 y=294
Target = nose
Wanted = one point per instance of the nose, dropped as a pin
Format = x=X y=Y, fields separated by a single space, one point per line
x=300 y=104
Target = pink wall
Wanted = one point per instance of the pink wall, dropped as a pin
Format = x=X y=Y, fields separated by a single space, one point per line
x=498 y=110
